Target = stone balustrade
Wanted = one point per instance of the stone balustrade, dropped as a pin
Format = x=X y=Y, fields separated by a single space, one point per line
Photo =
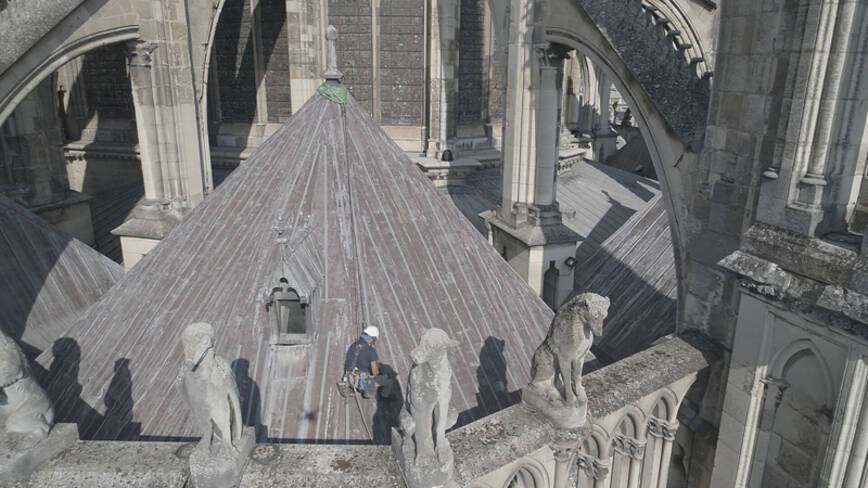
x=488 y=453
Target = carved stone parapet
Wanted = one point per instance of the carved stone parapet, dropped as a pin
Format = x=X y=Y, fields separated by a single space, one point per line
x=628 y=446
x=662 y=429
x=594 y=468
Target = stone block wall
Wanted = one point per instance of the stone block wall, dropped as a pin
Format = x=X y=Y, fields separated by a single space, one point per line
x=402 y=62
x=352 y=18
x=234 y=62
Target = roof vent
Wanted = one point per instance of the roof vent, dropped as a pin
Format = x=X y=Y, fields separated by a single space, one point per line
x=287 y=313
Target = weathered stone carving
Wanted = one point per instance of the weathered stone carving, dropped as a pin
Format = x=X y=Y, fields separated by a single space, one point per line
x=27 y=408
x=212 y=394
x=29 y=436
x=628 y=446
x=556 y=385
x=421 y=445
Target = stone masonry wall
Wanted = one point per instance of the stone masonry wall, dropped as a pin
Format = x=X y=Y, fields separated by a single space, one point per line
x=472 y=63
x=352 y=18
x=233 y=56
x=402 y=61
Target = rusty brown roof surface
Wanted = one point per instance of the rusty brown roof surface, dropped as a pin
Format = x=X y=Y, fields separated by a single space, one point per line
x=348 y=203
x=48 y=278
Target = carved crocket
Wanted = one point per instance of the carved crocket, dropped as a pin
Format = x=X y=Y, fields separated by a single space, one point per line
x=557 y=363
x=27 y=409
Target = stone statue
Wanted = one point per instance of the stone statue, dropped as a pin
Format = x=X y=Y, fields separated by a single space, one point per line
x=556 y=373
x=422 y=448
x=212 y=394
x=27 y=408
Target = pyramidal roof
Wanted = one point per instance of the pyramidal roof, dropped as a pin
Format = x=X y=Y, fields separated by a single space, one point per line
x=332 y=205
x=49 y=278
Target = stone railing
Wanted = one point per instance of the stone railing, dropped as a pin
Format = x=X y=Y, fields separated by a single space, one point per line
x=659 y=56
x=490 y=451
x=487 y=452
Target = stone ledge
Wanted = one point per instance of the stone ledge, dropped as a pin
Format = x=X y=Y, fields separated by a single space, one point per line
x=806 y=256
x=499 y=439
x=109 y=464
x=829 y=303
x=534 y=235
x=338 y=466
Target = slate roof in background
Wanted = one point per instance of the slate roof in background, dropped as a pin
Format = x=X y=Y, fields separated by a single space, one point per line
x=48 y=278
x=597 y=200
x=635 y=268
x=329 y=201
x=626 y=253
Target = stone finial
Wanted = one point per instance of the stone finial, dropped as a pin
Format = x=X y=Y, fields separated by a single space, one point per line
x=27 y=409
x=212 y=395
x=332 y=72
x=421 y=445
x=556 y=373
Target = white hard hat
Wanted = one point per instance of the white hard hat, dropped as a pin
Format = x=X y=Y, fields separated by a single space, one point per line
x=372 y=331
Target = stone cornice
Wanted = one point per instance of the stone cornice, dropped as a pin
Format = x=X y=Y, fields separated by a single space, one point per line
x=813 y=258
x=827 y=303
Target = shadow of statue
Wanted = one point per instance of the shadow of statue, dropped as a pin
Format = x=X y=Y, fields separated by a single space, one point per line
x=248 y=391
x=118 y=401
x=492 y=392
x=64 y=389
x=390 y=400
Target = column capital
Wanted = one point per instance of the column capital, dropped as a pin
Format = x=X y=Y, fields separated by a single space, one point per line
x=140 y=53
x=593 y=467
x=628 y=446
x=662 y=429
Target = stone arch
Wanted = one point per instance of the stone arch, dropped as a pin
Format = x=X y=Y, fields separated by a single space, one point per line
x=601 y=442
x=666 y=403
x=529 y=473
x=671 y=9
x=94 y=24
x=667 y=151
x=786 y=357
x=633 y=423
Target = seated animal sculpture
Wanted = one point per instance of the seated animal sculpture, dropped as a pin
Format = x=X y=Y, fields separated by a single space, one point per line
x=556 y=372
x=429 y=390
x=27 y=409
x=210 y=388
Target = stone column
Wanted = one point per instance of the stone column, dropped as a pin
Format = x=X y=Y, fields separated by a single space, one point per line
x=595 y=469
x=139 y=63
x=774 y=392
x=604 y=138
x=847 y=424
x=859 y=454
x=634 y=450
x=824 y=135
x=664 y=432
x=564 y=451
x=546 y=136
x=530 y=152
x=443 y=61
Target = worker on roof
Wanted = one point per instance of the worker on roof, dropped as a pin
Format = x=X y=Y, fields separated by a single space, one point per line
x=362 y=365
